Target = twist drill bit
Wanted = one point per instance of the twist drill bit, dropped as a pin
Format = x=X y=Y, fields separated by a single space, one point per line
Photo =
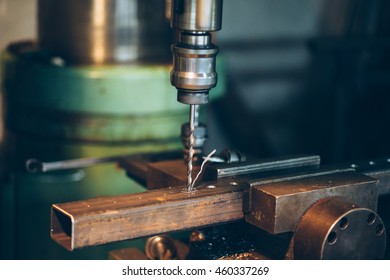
x=193 y=121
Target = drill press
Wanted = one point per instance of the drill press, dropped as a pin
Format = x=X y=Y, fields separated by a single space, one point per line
x=194 y=57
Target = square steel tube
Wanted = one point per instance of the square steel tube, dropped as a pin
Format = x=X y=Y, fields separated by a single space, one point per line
x=108 y=219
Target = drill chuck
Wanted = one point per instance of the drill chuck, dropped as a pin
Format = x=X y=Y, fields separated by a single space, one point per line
x=193 y=72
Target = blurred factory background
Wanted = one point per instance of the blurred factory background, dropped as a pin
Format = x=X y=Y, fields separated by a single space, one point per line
x=298 y=77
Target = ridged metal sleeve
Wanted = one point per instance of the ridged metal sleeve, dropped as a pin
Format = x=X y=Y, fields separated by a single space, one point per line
x=194 y=69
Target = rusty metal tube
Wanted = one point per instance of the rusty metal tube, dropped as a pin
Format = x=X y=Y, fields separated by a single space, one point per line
x=108 y=219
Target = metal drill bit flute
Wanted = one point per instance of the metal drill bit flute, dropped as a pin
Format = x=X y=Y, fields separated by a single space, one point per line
x=193 y=122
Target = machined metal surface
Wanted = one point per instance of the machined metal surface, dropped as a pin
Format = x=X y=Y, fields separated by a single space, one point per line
x=277 y=207
x=337 y=229
x=196 y=15
x=105 y=31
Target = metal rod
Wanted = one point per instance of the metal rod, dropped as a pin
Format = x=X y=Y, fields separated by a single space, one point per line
x=36 y=166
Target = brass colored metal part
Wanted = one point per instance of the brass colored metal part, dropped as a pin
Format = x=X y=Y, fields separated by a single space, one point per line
x=136 y=254
x=161 y=247
x=197 y=236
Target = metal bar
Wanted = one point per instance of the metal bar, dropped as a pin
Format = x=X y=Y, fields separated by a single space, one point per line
x=220 y=171
x=103 y=220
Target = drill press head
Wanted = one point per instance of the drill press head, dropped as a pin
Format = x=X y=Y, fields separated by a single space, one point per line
x=194 y=55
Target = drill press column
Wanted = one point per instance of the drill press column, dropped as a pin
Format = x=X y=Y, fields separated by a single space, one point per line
x=194 y=56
